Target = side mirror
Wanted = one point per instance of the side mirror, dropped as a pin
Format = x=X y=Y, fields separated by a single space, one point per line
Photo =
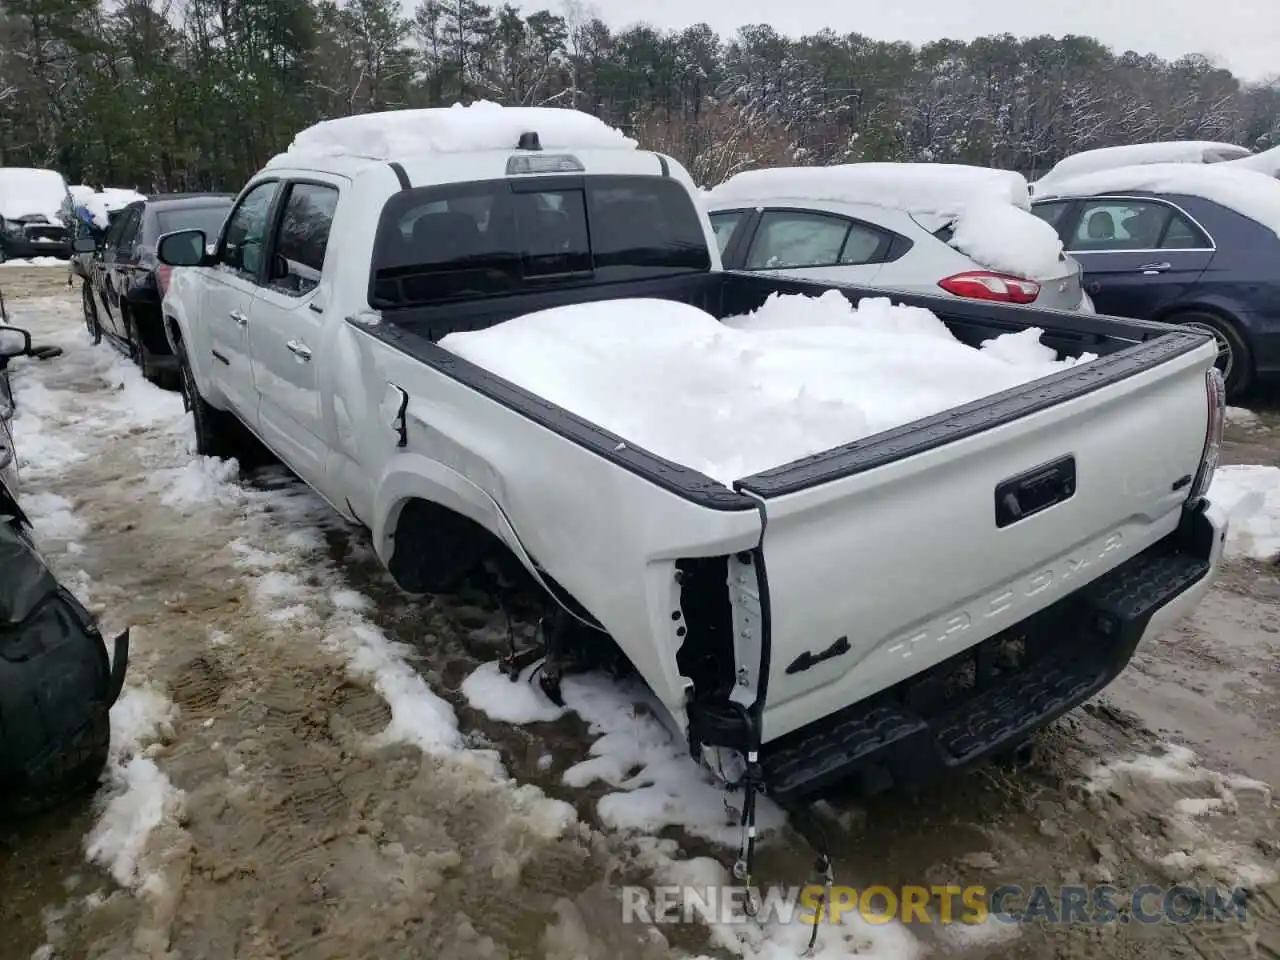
x=14 y=342
x=183 y=248
x=84 y=244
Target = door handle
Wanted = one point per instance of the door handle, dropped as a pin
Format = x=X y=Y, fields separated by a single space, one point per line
x=239 y=318
x=299 y=349
x=1151 y=269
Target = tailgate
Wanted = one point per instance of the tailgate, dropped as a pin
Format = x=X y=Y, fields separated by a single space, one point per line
x=877 y=574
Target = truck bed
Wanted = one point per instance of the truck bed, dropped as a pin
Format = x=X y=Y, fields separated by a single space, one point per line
x=817 y=595
x=417 y=331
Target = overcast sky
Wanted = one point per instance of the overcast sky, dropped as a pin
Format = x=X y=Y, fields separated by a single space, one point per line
x=1243 y=35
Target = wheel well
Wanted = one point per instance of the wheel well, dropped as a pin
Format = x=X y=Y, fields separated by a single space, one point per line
x=434 y=548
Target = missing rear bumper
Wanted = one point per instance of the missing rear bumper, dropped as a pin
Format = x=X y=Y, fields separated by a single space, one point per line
x=991 y=698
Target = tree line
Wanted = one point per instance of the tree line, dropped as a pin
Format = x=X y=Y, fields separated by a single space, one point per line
x=168 y=95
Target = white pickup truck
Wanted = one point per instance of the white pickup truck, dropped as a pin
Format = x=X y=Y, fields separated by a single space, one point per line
x=889 y=609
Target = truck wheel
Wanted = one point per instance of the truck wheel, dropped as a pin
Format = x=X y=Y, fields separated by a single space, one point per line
x=137 y=351
x=215 y=429
x=1235 y=360
x=73 y=769
x=90 y=314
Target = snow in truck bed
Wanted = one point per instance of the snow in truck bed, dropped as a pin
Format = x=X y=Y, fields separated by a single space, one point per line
x=799 y=376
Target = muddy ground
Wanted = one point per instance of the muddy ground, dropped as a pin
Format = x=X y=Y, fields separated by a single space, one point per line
x=285 y=821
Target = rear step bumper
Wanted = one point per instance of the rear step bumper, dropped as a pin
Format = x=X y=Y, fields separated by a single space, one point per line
x=1065 y=655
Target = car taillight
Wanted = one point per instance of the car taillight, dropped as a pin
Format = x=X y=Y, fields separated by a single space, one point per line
x=162 y=277
x=984 y=285
x=1216 y=391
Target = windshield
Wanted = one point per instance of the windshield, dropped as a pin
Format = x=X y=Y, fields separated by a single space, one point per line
x=469 y=240
x=209 y=219
x=27 y=193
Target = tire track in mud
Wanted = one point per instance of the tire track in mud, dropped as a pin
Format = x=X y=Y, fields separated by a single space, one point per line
x=302 y=834
x=299 y=834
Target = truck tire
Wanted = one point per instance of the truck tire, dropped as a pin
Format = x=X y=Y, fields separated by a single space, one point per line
x=216 y=430
x=74 y=768
x=91 y=323
x=1235 y=360
x=56 y=686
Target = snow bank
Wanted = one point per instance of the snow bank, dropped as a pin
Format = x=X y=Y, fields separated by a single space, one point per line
x=1106 y=158
x=139 y=797
x=798 y=376
x=936 y=189
x=1249 y=496
x=26 y=191
x=1247 y=192
x=481 y=126
x=35 y=262
x=652 y=786
x=1009 y=240
x=1268 y=162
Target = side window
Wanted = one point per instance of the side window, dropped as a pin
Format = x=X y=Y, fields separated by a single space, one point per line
x=1051 y=213
x=242 y=243
x=723 y=224
x=1107 y=224
x=789 y=238
x=302 y=238
x=862 y=245
x=1182 y=234
x=128 y=237
x=118 y=220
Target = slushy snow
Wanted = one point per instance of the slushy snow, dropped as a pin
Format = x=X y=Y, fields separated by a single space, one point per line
x=1248 y=192
x=797 y=377
x=458 y=129
x=1249 y=495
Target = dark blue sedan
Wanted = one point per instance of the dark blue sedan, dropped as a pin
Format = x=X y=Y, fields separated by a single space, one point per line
x=1179 y=258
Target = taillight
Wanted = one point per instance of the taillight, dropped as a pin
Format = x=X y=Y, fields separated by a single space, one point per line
x=1216 y=391
x=162 y=277
x=984 y=285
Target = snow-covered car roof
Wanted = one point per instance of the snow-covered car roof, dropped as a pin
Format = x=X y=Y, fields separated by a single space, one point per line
x=1169 y=151
x=1268 y=162
x=483 y=125
x=988 y=208
x=1247 y=192
x=936 y=189
x=25 y=191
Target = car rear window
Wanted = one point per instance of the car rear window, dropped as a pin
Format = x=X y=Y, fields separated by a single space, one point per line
x=209 y=219
x=489 y=238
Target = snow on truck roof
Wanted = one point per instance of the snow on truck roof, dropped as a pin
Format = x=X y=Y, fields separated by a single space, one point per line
x=941 y=189
x=1248 y=192
x=483 y=125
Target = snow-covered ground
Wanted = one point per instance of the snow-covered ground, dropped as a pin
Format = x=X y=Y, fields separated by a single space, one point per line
x=35 y=262
x=297 y=767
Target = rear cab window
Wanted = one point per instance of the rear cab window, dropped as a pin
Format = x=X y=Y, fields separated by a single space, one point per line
x=495 y=237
